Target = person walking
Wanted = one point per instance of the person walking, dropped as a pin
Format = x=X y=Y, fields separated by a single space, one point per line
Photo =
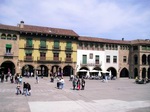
x=74 y=83
x=82 y=83
x=78 y=84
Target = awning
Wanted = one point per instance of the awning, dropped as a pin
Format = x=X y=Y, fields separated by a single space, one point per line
x=8 y=45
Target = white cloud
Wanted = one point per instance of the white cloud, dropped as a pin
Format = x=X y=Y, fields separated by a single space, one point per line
x=86 y=17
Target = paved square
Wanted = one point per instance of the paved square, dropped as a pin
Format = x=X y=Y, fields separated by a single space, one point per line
x=121 y=95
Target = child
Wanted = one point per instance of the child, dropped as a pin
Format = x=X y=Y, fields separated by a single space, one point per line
x=18 y=89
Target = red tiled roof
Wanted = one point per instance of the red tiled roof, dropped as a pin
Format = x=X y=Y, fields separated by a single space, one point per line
x=93 y=39
x=8 y=27
x=39 y=29
x=48 y=30
x=141 y=42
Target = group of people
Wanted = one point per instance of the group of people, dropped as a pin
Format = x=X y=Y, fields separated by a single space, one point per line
x=5 y=76
x=26 y=89
x=141 y=81
x=78 y=83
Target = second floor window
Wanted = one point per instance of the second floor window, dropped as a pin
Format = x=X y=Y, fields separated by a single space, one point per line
x=124 y=59
x=43 y=43
x=8 y=48
x=91 y=55
x=56 y=55
x=42 y=54
x=97 y=59
x=29 y=42
x=114 y=59
x=56 y=43
x=107 y=59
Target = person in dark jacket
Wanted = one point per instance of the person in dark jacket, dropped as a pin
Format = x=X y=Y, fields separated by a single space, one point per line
x=82 y=84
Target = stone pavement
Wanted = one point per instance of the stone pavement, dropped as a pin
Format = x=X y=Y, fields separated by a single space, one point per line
x=121 y=95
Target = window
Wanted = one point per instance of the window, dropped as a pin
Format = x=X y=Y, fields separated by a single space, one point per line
x=56 y=55
x=114 y=59
x=124 y=59
x=135 y=47
x=91 y=56
x=56 y=44
x=68 y=45
x=14 y=37
x=84 y=59
x=107 y=59
x=8 y=48
x=42 y=54
x=97 y=59
x=8 y=37
x=29 y=42
x=3 y=36
x=68 y=55
x=43 y=43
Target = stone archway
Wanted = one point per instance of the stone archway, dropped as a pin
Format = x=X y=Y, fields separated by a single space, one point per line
x=148 y=73
x=113 y=71
x=27 y=70
x=124 y=73
x=8 y=66
x=42 y=70
x=68 y=70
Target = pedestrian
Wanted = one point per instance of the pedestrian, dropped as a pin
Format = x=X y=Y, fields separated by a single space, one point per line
x=24 y=88
x=62 y=82
x=28 y=89
x=78 y=84
x=2 y=77
x=18 y=88
x=37 y=79
x=74 y=83
x=82 y=84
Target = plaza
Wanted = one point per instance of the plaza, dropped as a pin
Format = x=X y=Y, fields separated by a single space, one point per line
x=120 y=95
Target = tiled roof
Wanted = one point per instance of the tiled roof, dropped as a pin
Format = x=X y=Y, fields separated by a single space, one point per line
x=48 y=30
x=39 y=29
x=8 y=27
x=103 y=40
x=141 y=42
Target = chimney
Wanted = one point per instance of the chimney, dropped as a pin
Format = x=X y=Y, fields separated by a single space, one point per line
x=122 y=39
x=21 y=24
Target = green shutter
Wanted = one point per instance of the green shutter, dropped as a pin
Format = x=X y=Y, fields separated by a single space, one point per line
x=29 y=42
x=84 y=61
x=56 y=43
x=43 y=43
x=68 y=44
x=8 y=45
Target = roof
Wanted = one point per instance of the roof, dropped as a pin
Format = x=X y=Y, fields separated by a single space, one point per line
x=39 y=29
x=8 y=27
x=103 y=40
x=141 y=42
x=48 y=30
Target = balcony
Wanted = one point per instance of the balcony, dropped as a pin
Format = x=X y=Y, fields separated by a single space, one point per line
x=8 y=55
x=28 y=58
x=69 y=48
x=28 y=46
x=91 y=64
x=48 y=60
x=68 y=60
x=43 y=47
x=56 y=48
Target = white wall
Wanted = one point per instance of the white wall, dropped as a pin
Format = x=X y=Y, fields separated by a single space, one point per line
x=102 y=56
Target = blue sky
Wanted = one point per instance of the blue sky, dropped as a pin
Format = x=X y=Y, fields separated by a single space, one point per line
x=112 y=19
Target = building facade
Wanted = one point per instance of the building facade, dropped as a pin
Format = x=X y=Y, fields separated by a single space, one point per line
x=28 y=49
